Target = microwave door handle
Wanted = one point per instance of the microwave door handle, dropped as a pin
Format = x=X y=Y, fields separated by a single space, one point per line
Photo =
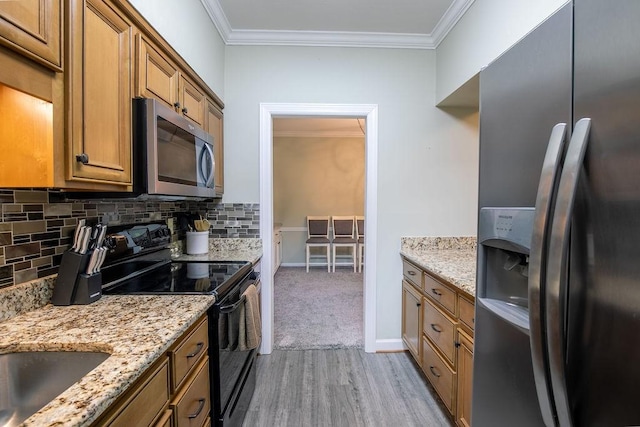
x=208 y=180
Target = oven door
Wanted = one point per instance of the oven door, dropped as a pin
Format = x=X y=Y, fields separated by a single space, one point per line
x=233 y=366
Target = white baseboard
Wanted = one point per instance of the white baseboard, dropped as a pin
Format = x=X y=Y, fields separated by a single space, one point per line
x=395 y=344
x=293 y=264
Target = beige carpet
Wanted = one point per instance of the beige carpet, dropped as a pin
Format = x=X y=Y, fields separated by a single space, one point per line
x=318 y=310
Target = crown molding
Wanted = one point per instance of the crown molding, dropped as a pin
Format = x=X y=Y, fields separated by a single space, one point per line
x=335 y=38
x=218 y=17
x=450 y=18
x=330 y=38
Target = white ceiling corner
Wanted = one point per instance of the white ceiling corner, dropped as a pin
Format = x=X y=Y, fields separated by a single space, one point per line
x=336 y=38
x=448 y=20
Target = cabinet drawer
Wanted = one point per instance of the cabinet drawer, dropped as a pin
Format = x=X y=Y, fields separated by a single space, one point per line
x=441 y=376
x=144 y=405
x=412 y=274
x=191 y=407
x=467 y=312
x=439 y=328
x=166 y=420
x=188 y=354
x=440 y=293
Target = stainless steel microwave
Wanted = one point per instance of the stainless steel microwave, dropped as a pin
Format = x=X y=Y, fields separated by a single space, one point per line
x=172 y=156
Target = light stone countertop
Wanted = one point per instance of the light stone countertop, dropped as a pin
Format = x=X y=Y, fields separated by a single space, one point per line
x=451 y=258
x=134 y=329
x=228 y=249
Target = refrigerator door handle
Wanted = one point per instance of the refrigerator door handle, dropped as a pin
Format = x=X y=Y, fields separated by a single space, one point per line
x=555 y=296
x=544 y=201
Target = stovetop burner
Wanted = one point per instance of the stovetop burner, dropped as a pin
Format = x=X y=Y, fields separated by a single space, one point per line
x=166 y=277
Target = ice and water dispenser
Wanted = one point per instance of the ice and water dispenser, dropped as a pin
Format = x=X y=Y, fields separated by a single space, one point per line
x=504 y=238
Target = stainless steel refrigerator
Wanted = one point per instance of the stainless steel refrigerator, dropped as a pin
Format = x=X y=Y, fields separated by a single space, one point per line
x=557 y=338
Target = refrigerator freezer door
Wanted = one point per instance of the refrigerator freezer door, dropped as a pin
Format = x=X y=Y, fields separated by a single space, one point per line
x=523 y=95
x=603 y=319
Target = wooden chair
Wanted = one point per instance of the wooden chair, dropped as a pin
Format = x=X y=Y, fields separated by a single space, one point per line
x=343 y=237
x=360 y=237
x=318 y=237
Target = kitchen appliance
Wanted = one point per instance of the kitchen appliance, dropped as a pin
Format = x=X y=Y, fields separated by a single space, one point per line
x=172 y=155
x=151 y=271
x=558 y=289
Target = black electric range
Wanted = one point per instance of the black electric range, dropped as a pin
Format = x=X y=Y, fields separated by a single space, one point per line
x=232 y=370
x=166 y=276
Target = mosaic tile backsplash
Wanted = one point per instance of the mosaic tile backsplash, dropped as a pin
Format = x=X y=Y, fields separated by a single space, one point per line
x=36 y=226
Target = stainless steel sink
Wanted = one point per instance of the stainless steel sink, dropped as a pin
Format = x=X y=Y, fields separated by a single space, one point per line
x=30 y=380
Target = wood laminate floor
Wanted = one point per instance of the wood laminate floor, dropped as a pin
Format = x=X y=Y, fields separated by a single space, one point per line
x=343 y=387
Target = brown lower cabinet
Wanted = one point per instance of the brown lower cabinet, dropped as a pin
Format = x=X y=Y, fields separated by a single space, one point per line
x=173 y=392
x=437 y=328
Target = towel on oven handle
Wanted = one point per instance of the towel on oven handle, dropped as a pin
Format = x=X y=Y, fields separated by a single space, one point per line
x=250 y=333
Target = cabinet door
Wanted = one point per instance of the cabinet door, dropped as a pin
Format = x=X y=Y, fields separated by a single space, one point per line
x=192 y=101
x=214 y=126
x=411 y=319
x=465 y=379
x=99 y=93
x=157 y=77
x=33 y=28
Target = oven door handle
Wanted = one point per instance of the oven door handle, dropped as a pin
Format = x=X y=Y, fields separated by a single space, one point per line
x=232 y=307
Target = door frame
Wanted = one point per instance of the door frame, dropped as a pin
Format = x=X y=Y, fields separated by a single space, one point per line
x=268 y=111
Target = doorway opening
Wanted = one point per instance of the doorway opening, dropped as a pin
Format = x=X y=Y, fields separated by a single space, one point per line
x=318 y=172
x=369 y=113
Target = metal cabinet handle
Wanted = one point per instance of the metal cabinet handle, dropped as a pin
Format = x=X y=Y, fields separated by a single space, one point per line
x=199 y=348
x=436 y=328
x=176 y=104
x=200 y=407
x=434 y=372
x=185 y=111
x=82 y=158
x=437 y=292
x=411 y=273
x=418 y=304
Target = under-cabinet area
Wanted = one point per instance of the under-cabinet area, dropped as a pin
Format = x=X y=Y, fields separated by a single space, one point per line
x=85 y=60
x=437 y=329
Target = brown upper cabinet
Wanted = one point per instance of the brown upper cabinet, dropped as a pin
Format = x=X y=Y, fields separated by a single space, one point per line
x=160 y=78
x=214 y=125
x=99 y=92
x=69 y=69
x=33 y=28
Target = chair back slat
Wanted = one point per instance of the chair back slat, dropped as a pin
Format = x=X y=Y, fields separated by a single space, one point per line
x=318 y=226
x=343 y=226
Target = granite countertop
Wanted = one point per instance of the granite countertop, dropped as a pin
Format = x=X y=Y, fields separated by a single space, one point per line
x=134 y=329
x=451 y=258
x=228 y=249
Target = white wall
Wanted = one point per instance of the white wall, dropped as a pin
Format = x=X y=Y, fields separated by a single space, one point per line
x=189 y=30
x=428 y=158
x=487 y=29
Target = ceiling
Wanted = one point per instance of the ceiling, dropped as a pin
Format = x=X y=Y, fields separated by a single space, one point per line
x=302 y=127
x=418 y=24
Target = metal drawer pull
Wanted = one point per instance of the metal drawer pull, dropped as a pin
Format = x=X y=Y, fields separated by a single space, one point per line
x=200 y=408
x=199 y=348
x=434 y=372
x=436 y=291
x=411 y=273
x=437 y=329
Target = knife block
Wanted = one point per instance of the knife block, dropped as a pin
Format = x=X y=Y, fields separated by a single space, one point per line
x=71 y=265
x=88 y=288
